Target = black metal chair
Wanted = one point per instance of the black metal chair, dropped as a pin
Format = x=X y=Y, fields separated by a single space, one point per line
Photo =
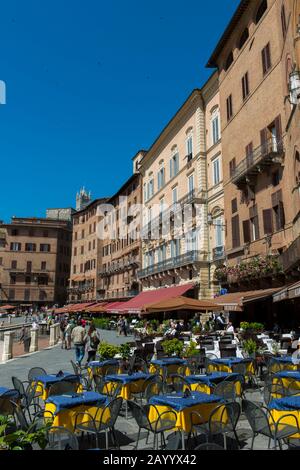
x=223 y=420
x=104 y=421
x=209 y=446
x=162 y=424
x=227 y=351
x=151 y=386
x=63 y=387
x=262 y=422
x=60 y=438
x=112 y=391
x=177 y=384
x=35 y=372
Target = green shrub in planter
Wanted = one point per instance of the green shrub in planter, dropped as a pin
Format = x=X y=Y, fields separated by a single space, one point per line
x=107 y=351
x=250 y=346
x=191 y=350
x=125 y=351
x=173 y=347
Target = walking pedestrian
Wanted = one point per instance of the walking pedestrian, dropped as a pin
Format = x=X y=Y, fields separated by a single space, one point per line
x=78 y=337
x=25 y=338
x=92 y=343
x=62 y=327
x=68 y=332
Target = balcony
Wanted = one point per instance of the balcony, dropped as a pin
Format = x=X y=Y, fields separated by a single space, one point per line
x=193 y=197
x=264 y=156
x=172 y=263
x=290 y=258
x=120 y=267
x=118 y=295
x=218 y=253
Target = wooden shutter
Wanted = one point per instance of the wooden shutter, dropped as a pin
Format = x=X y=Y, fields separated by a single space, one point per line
x=264 y=141
x=253 y=212
x=246 y=231
x=232 y=167
x=234 y=206
x=251 y=193
x=278 y=128
x=268 y=221
x=249 y=154
x=281 y=215
x=235 y=227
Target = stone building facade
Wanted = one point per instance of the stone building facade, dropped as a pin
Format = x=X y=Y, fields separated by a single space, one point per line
x=35 y=256
x=86 y=253
x=182 y=197
x=121 y=246
x=255 y=58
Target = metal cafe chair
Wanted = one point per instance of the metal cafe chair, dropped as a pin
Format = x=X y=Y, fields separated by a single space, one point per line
x=60 y=438
x=60 y=388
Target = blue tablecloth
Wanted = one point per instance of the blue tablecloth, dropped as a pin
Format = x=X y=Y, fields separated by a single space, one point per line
x=286 y=374
x=230 y=361
x=284 y=359
x=51 y=379
x=179 y=403
x=69 y=401
x=10 y=393
x=168 y=361
x=111 y=362
x=285 y=404
x=126 y=379
x=209 y=379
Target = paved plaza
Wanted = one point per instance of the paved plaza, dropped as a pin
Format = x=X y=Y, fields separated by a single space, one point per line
x=56 y=359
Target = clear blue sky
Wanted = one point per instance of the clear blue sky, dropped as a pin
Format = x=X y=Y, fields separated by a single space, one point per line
x=88 y=84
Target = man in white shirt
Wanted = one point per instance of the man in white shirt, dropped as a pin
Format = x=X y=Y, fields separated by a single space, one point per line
x=230 y=328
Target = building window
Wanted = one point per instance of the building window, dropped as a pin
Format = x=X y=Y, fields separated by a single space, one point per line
x=75 y=235
x=245 y=86
x=15 y=232
x=45 y=248
x=28 y=266
x=215 y=129
x=12 y=279
x=27 y=280
x=1 y=261
x=14 y=264
x=45 y=234
x=27 y=294
x=229 y=108
x=43 y=265
x=219 y=232
x=161 y=178
x=11 y=294
x=266 y=58
x=151 y=189
x=75 y=251
x=191 y=184
x=261 y=11
x=235 y=228
x=174 y=165
x=30 y=247
x=232 y=167
x=244 y=37
x=268 y=221
x=189 y=148
x=175 y=195
x=216 y=171
x=15 y=247
x=74 y=269
x=278 y=210
x=229 y=61
x=234 y=206
x=82 y=250
x=175 y=248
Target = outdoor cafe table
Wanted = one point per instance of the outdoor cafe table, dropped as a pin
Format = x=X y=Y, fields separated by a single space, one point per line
x=65 y=407
x=286 y=377
x=183 y=407
x=44 y=382
x=9 y=393
x=280 y=407
x=101 y=367
x=205 y=383
x=170 y=365
x=225 y=365
x=130 y=383
x=287 y=362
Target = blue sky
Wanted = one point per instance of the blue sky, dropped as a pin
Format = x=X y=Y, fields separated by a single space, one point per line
x=88 y=84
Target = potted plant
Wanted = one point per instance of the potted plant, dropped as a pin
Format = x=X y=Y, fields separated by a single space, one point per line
x=251 y=347
x=107 y=351
x=173 y=347
x=22 y=440
x=125 y=353
x=191 y=350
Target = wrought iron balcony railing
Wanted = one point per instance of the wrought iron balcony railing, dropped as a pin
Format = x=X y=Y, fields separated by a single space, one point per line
x=267 y=154
x=173 y=263
x=218 y=253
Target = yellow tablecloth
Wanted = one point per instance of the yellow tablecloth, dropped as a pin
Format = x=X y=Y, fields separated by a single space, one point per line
x=66 y=418
x=171 y=369
x=285 y=382
x=183 y=422
x=101 y=371
x=203 y=388
x=276 y=414
x=129 y=388
x=213 y=367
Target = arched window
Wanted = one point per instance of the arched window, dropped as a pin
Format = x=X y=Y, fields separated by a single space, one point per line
x=244 y=37
x=229 y=61
x=261 y=11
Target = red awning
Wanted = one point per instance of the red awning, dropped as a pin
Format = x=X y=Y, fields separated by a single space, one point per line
x=80 y=307
x=7 y=307
x=139 y=303
x=114 y=307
